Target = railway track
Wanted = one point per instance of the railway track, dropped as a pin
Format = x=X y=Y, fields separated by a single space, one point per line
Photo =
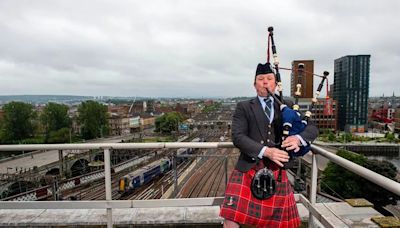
x=153 y=190
x=209 y=180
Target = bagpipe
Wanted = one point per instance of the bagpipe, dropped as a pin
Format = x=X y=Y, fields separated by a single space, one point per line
x=293 y=122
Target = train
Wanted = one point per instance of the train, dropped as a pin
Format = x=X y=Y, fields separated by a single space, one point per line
x=186 y=151
x=144 y=175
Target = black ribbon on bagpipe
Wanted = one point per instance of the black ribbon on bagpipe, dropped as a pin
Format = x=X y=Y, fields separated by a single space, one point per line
x=263 y=185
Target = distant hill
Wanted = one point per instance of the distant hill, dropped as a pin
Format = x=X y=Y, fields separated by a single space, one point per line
x=41 y=99
x=71 y=99
x=66 y=99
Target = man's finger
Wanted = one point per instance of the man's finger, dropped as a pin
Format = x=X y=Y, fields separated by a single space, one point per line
x=279 y=163
x=284 y=156
x=292 y=147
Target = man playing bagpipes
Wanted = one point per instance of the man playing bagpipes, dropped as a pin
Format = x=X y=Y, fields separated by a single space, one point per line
x=258 y=192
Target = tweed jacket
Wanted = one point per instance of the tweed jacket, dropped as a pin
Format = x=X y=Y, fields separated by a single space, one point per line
x=251 y=131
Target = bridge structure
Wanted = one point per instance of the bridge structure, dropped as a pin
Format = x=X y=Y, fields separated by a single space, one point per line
x=46 y=160
x=28 y=169
x=177 y=211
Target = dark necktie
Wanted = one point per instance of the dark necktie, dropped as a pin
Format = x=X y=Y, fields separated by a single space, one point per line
x=268 y=107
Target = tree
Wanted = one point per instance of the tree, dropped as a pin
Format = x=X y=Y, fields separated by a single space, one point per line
x=347 y=137
x=168 y=122
x=376 y=194
x=55 y=117
x=59 y=136
x=93 y=119
x=346 y=184
x=331 y=136
x=18 y=122
x=341 y=180
x=389 y=136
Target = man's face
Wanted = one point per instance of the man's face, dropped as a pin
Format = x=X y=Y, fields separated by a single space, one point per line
x=264 y=81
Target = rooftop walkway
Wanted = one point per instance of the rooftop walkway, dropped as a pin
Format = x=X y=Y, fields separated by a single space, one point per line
x=168 y=212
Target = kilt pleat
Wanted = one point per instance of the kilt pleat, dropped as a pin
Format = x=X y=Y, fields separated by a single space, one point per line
x=242 y=207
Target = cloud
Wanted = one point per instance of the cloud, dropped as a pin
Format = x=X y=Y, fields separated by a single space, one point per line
x=184 y=48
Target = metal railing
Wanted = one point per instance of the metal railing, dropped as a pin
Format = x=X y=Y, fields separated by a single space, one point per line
x=378 y=179
x=109 y=204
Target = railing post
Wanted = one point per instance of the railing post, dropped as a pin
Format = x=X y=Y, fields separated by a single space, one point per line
x=61 y=163
x=56 y=191
x=313 y=191
x=175 y=174
x=226 y=172
x=107 y=175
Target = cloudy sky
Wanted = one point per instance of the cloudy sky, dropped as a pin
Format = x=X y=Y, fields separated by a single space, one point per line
x=186 y=48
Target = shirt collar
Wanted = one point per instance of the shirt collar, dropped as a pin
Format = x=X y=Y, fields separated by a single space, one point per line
x=262 y=99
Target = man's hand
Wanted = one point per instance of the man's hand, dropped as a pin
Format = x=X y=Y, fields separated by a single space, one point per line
x=292 y=143
x=276 y=155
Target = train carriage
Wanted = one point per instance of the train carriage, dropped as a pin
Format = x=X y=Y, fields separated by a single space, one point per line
x=144 y=175
x=151 y=174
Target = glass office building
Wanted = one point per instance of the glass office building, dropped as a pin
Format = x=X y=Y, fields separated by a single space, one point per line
x=351 y=88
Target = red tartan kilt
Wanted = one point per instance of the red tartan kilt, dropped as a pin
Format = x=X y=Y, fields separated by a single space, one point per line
x=242 y=207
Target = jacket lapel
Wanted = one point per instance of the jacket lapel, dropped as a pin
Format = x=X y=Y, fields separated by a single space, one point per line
x=260 y=116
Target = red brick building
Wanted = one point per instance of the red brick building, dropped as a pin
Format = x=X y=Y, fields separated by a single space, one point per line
x=307 y=81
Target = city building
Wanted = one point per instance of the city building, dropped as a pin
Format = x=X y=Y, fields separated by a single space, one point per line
x=138 y=107
x=351 y=88
x=307 y=81
x=134 y=123
x=397 y=119
x=119 y=124
x=150 y=107
x=324 y=112
x=384 y=113
x=147 y=121
x=330 y=93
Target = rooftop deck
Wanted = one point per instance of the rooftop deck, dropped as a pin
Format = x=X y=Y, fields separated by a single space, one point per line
x=168 y=212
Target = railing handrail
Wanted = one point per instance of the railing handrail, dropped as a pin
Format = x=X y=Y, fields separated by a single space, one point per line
x=372 y=176
x=360 y=143
x=115 y=204
x=88 y=146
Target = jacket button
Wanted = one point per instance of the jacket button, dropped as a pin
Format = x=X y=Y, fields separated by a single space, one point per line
x=268 y=140
x=262 y=142
x=253 y=159
x=269 y=132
